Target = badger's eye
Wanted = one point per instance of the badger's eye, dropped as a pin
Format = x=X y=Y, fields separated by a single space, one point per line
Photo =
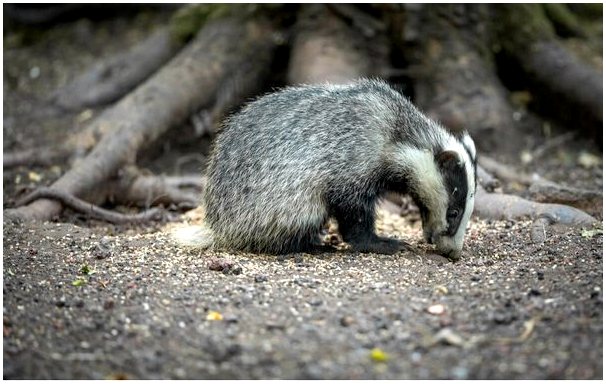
x=452 y=214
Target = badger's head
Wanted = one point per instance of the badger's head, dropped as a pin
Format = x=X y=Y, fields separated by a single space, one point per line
x=444 y=223
x=443 y=184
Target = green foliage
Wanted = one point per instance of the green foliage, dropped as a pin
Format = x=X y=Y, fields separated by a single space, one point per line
x=86 y=270
x=79 y=282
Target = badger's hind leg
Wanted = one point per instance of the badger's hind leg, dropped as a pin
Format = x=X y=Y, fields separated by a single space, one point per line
x=357 y=227
x=295 y=239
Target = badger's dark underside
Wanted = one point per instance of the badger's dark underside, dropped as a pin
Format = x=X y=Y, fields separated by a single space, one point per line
x=355 y=216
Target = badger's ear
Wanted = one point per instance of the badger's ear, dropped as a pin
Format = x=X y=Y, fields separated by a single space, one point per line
x=447 y=159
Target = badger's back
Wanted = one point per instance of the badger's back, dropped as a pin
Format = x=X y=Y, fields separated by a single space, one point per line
x=274 y=162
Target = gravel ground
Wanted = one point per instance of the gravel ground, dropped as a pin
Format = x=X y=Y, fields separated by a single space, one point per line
x=88 y=300
x=86 y=303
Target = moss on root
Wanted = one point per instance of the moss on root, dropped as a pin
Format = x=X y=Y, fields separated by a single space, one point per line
x=521 y=25
x=186 y=22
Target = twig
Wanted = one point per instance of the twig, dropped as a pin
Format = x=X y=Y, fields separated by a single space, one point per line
x=538 y=233
x=529 y=327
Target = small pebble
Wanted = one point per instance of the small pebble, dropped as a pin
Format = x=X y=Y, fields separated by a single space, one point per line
x=61 y=302
x=274 y=326
x=436 y=309
x=34 y=72
x=315 y=302
x=261 y=278
x=346 y=321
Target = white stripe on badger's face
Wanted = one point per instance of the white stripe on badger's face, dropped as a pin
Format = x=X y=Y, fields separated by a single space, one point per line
x=453 y=245
x=427 y=183
x=470 y=145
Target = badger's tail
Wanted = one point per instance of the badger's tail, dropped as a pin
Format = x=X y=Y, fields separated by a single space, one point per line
x=193 y=236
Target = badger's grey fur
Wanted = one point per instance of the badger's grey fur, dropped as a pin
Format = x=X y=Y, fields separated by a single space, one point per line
x=291 y=159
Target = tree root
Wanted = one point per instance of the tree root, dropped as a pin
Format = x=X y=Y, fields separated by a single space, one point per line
x=109 y=80
x=550 y=144
x=71 y=201
x=506 y=173
x=540 y=189
x=563 y=77
x=552 y=73
x=326 y=49
x=509 y=207
x=220 y=50
x=36 y=156
x=146 y=190
x=486 y=180
x=186 y=181
x=455 y=79
x=548 y=192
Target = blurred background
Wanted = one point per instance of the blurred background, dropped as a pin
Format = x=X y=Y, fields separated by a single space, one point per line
x=524 y=79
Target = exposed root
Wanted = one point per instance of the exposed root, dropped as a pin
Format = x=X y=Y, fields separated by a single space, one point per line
x=326 y=49
x=94 y=211
x=540 y=189
x=109 y=80
x=186 y=181
x=36 y=156
x=553 y=74
x=548 y=192
x=221 y=49
x=486 y=180
x=509 y=207
x=506 y=173
x=455 y=80
x=550 y=144
x=148 y=190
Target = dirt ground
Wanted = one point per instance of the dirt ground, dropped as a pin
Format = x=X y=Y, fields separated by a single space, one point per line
x=88 y=300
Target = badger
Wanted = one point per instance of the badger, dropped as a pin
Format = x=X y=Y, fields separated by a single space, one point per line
x=290 y=160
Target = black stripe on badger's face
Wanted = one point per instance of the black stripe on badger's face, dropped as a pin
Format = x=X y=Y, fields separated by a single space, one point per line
x=453 y=172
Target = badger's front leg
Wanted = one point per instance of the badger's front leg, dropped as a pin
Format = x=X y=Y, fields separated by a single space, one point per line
x=357 y=227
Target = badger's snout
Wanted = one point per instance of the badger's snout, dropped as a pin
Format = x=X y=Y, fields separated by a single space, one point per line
x=452 y=254
x=447 y=247
x=431 y=236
